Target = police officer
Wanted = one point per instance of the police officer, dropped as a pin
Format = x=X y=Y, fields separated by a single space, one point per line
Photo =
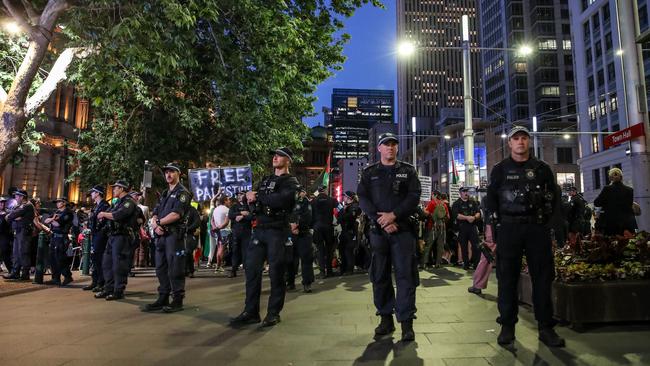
x=272 y=203
x=120 y=221
x=6 y=237
x=349 y=229
x=139 y=223
x=99 y=238
x=301 y=236
x=170 y=226
x=467 y=212
x=22 y=223
x=191 y=238
x=576 y=215
x=323 y=221
x=521 y=198
x=389 y=193
x=60 y=224
x=240 y=217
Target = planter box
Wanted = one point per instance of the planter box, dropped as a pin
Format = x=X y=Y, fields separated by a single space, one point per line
x=595 y=302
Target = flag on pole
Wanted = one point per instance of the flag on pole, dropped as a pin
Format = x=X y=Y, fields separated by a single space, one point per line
x=326 y=175
x=454 y=172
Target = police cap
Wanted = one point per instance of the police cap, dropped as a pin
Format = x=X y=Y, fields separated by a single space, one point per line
x=463 y=189
x=121 y=183
x=518 y=129
x=21 y=192
x=283 y=151
x=98 y=189
x=385 y=137
x=171 y=166
x=61 y=199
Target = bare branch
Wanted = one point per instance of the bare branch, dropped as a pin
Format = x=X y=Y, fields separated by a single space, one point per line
x=31 y=12
x=57 y=74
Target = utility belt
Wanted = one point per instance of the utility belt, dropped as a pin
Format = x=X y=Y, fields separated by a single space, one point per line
x=269 y=212
x=507 y=219
x=59 y=236
x=27 y=229
x=404 y=226
x=278 y=225
x=115 y=229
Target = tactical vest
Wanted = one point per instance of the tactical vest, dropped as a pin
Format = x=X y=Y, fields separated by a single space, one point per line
x=524 y=193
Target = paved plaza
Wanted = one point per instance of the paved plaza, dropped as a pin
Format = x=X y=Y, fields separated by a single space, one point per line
x=332 y=326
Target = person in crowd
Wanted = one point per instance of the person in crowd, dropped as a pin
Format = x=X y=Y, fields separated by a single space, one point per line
x=138 y=230
x=521 y=198
x=220 y=222
x=273 y=203
x=22 y=224
x=98 y=237
x=616 y=200
x=301 y=236
x=211 y=248
x=169 y=224
x=41 y=259
x=348 y=218
x=60 y=224
x=438 y=211
x=488 y=249
x=389 y=193
x=322 y=208
x=120 y=220
x=466 y=212
x=241 y=218
x=576 y=215
x=192 y=238
x=6 y=237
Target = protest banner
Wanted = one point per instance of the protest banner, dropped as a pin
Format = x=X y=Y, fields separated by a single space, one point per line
x=206 y=183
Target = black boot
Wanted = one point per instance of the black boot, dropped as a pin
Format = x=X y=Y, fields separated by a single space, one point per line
x=176 y=305
x=245 y=318
x=306 y=289
x=386 y=325
x=408 y=334
x=232 y=274
x=25 y=276
x=115 y=296
x=101 y=295
x=98 y=289
x=13 y=275
x=89 y=287
x=270 y=320
x=550 y=338
x=159 y=304
x=507 y=335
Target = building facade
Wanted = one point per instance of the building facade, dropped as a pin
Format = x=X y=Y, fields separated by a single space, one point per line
x=315 y=154
x=611 y=74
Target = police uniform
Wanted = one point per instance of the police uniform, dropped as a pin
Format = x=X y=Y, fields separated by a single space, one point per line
x=392 y=188
x=170 y=247
x=22 y=224
x=302 y=251
x=323 y=222
x=241 y=234
x=59 y=243
x=115 y=262
x=6 y=238
x=275 y=201
x=349 y=229
x=467 y=231
x=191 y=240
x=521 y=197
x=99 y=238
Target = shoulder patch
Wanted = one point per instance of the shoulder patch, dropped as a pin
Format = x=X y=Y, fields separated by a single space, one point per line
x=183 y=197
x=127 y=204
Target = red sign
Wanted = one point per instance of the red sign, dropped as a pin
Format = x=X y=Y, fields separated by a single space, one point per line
x=625 y=135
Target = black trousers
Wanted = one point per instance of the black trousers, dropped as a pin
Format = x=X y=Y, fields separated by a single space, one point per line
x=239 y=247
x=191 y=244
x=469 y=233
x=266 y=244
x=303 y=253
x=397 y=250
x=533 y=240
x=115 y=263
x=324 y=241
x=347 y=248
x=59 y=261
x=22 y=255
x=5 y=251
x=99 y=247
x=170 y=265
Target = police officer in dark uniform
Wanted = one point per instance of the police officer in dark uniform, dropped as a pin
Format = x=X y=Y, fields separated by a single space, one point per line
x=191 y=239
x=272 y=203
x=120 y=221
x=576 y=215
x=467 y=212
x=323 y=222
x=6 y=237
x=349 y=230
x=301 y=236
x=22 y=223
x=60 y=224
x=389 y=193
x=99 y=238
x=170 y=227
x=521 y=198
x=241 y=218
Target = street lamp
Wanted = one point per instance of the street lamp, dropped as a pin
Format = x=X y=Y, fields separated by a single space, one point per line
x=524 y=50
x=406 y=48
x=468 y=134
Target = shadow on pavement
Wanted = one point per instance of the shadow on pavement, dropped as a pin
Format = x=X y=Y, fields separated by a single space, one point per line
x=381 y=348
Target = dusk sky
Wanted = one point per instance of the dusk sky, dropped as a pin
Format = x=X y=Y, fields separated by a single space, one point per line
x=371 y=59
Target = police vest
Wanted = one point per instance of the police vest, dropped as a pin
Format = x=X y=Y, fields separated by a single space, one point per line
x=524 y=192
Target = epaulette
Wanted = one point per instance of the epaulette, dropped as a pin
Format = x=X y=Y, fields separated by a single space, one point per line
x=406 y=164
x=373 y=165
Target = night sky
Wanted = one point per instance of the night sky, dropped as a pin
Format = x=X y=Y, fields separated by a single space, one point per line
x=371 y=60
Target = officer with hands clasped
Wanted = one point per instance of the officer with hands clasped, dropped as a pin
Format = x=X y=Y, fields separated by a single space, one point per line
x=466 y=212
x=60 y=223
x=389 y=193
x=99 y=238
x=22 y=224
x=170 y=227
x=521 y=198
x=273 y=203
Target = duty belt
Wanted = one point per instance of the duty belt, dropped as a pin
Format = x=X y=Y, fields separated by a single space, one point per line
x=518 y=219
x=58 y=235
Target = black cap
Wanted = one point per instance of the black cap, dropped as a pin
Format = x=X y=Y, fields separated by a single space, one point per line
x=283 y=151
x=516 y=130
x=171 y=166
x=121 y=183
x=349 y=194
x=385 y=137
x=61 y=199
x=135 y=193
x=322 y=189
x=573 y=188
x=21 y=192
x=463 y=189
x=99 y=189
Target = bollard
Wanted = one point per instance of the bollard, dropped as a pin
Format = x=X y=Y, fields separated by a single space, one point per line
x=85 y=262
x=41 y=251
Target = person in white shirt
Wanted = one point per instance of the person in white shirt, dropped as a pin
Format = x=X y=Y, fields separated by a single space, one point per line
x=220 y=221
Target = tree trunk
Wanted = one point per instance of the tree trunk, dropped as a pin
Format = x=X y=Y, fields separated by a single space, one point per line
x=13 y=114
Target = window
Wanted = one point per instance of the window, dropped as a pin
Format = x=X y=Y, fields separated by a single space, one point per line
x=596 y=177
x=595 y=147
x=601 y=78
x=603 y=108
x=611 y=74
x=551 y=90
x=590 y=82
x=520 y=67
x=598 y=49
x=595 y=21
x=585 y=28
x=548 y=44
x=606 y=14
x=566 y=44
x=435 y=165
x=643 y=17
x=592 y=112
x=566 y=179
x=608 y=42
x=564 y=155
x=588 y=56
x=613 y=102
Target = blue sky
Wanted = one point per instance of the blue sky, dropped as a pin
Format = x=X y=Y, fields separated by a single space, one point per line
x=371 y=61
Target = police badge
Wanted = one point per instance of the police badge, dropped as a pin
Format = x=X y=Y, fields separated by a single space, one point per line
x=530 y=174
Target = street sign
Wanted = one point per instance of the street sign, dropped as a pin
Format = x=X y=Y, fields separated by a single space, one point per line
x=624 y=135
x=425 y=185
